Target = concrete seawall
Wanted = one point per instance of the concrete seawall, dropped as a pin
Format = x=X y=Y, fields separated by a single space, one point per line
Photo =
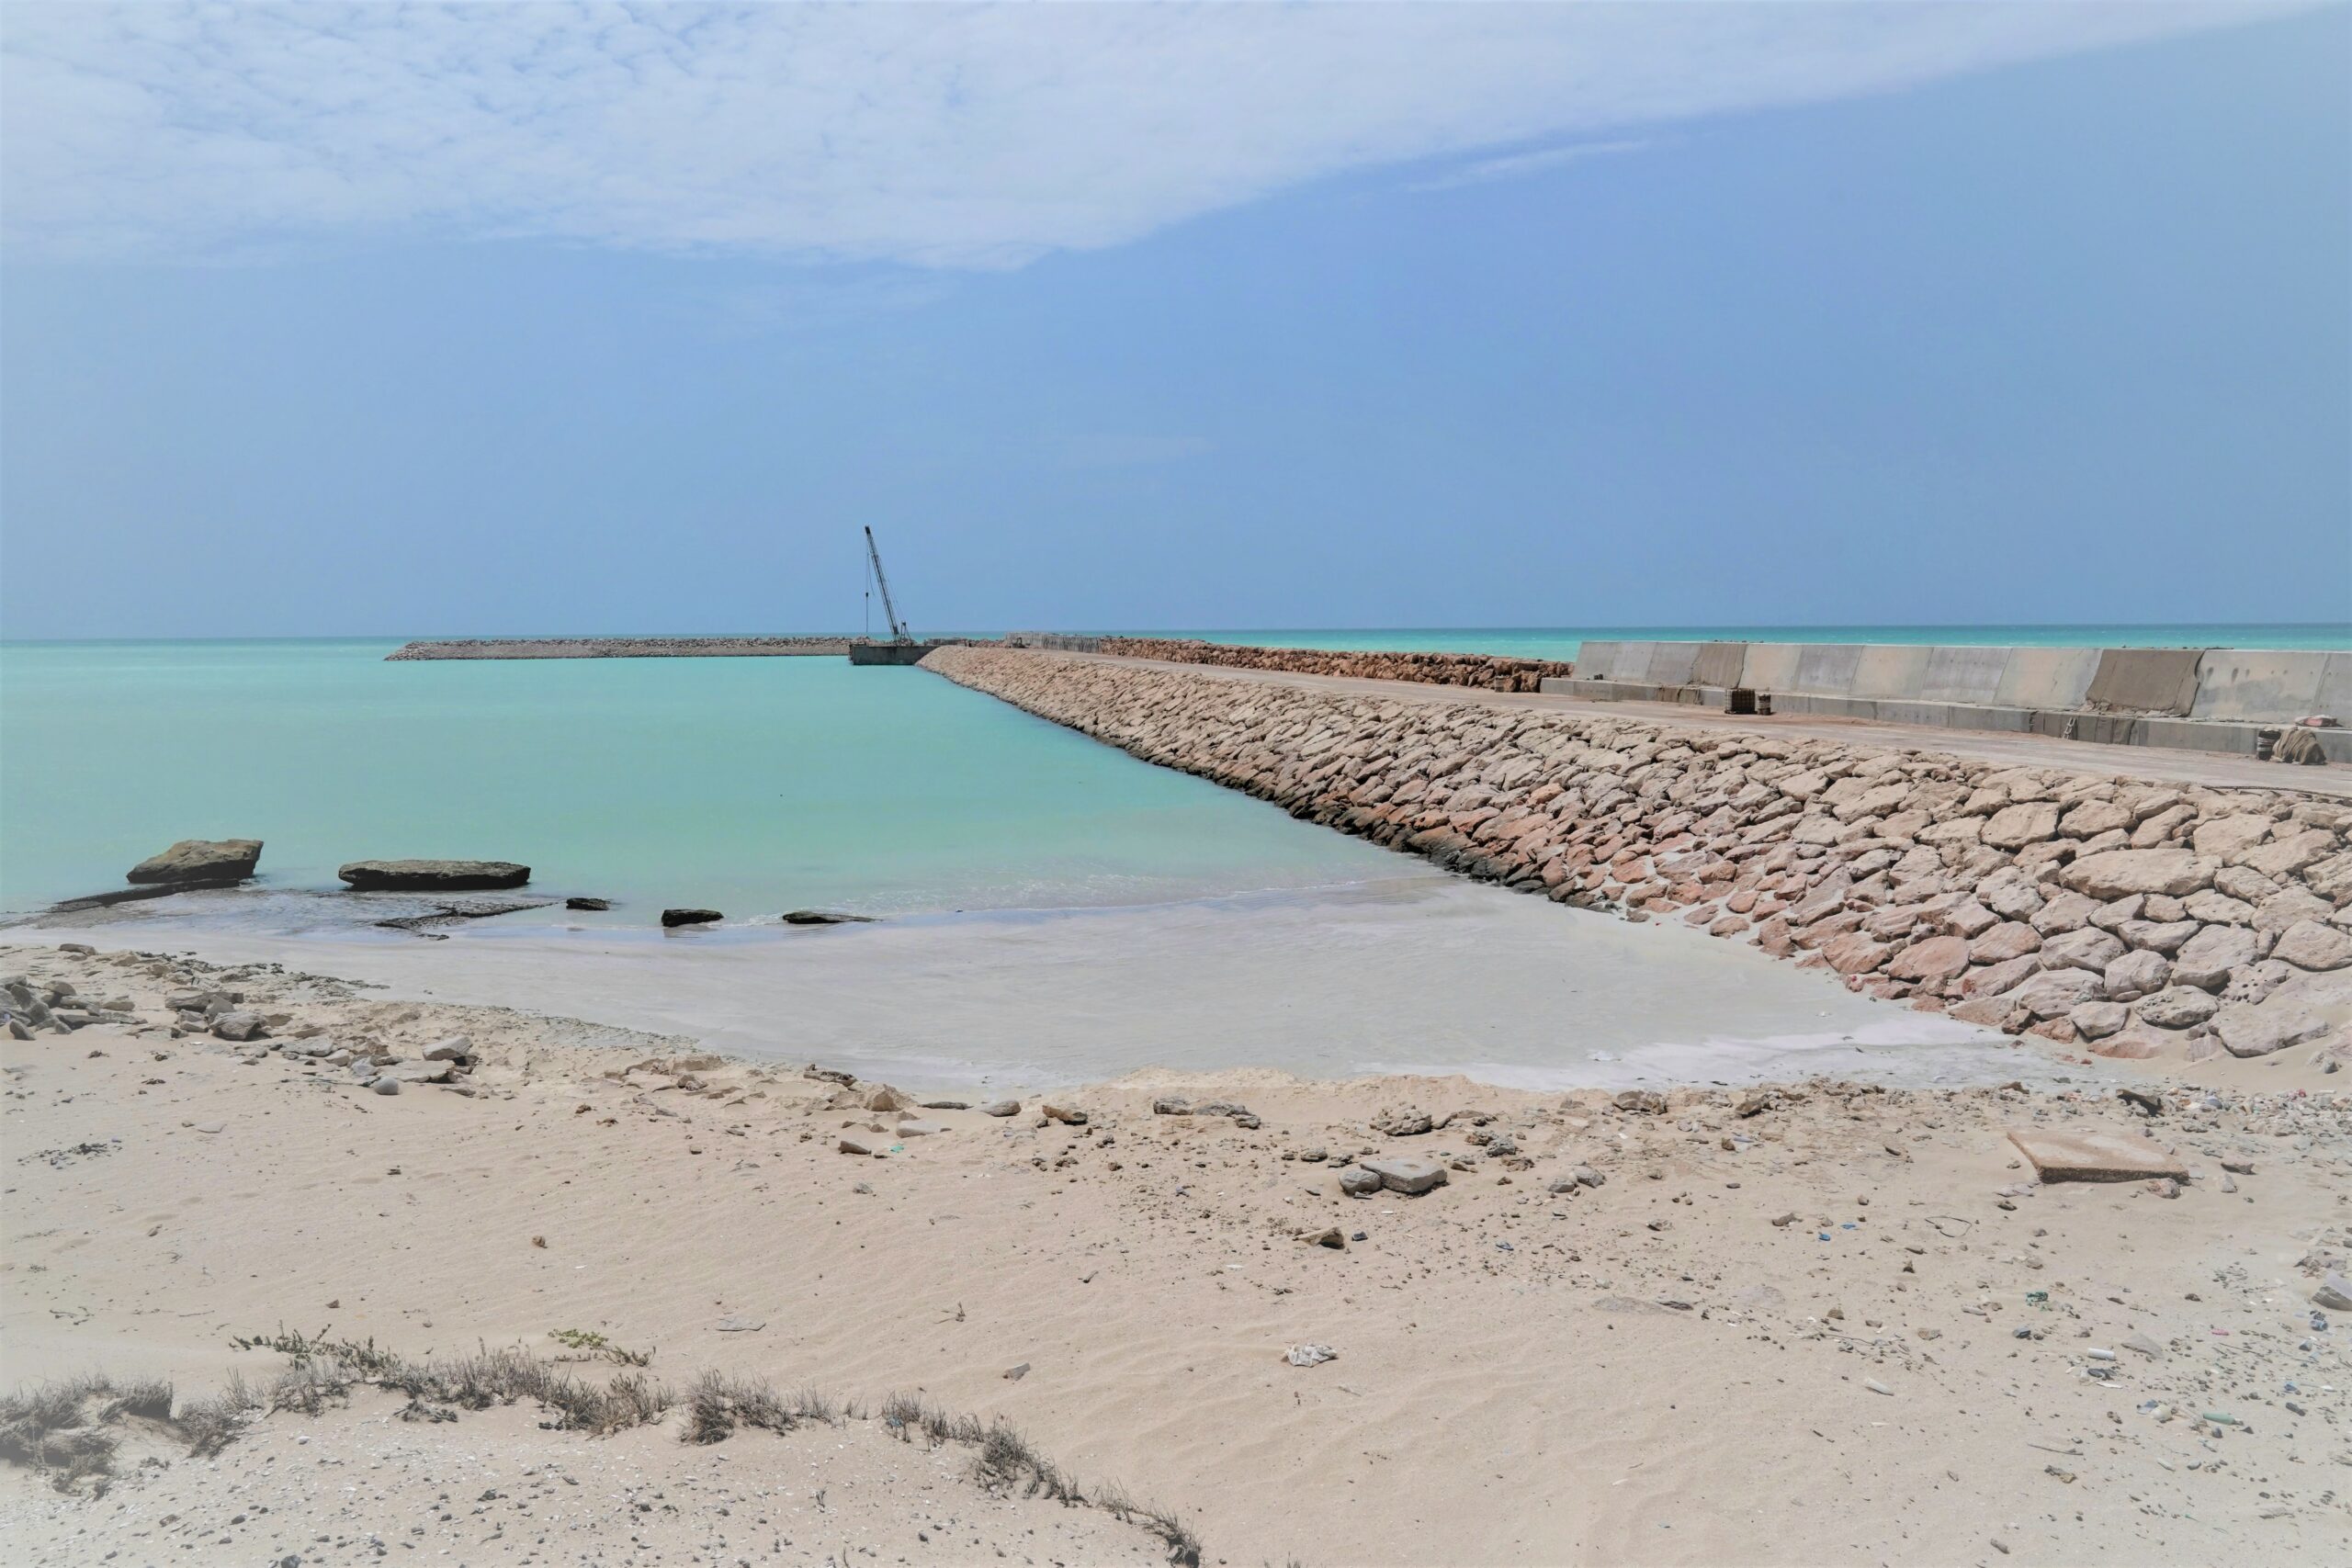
x=2135 y=918
x=2214 y=699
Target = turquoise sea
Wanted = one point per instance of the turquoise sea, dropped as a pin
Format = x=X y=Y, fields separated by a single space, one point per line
x=750 y=785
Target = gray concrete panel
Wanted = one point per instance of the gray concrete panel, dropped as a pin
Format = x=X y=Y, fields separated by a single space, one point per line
x=2147 y=679
x=1892 y=669
x=2242 y=683
x=1827 y=669
x=1720 y=664
x=1604 y=661
x=1771 y=666
x=2047 y=677
x=1672 y=663
x=1964 y=674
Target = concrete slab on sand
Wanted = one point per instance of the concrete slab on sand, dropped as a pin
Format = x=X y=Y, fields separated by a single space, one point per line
x=2097 y=1156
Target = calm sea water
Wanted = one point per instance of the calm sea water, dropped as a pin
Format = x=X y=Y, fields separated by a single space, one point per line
x=750 y=785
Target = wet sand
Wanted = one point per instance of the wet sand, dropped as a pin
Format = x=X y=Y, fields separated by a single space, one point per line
x=1425 y=974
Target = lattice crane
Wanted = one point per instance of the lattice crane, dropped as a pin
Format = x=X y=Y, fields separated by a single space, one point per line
x=899 y=632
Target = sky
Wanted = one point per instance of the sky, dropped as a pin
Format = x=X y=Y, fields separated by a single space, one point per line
x=325 y=320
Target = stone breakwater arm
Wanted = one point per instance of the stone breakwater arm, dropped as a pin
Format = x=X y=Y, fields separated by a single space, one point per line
x=1487 y=672
x=2139 y=919
x=623 y=648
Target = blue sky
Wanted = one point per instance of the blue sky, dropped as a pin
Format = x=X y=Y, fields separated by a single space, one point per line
x=414 y=323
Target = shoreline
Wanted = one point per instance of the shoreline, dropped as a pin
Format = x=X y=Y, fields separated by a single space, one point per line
x=1822 y=1256
x=1433 y=972
x=2142 y=920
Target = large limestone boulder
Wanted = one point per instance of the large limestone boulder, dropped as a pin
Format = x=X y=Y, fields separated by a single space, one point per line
x=200 y=861
x=2010 y=939
x=2118 y=874
x=2085 y=949
x=432 y=875
x=2307 y=944
x=2286 y=856
x=2092 y=818
x=2332 y=879
x=2137 y=974
x=2206 y=959
x=2179 y=1007
x=2256 y=1032
x=2014 y=826
x=1996 y=979
x=1936 y=958
x=2055 y=991
x=1855 y=953
x=2222 y=837
x=2290 y=909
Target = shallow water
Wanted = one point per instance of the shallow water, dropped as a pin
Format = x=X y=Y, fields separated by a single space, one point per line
x=1420 y=975
x=1059 y=911
x=750 y=785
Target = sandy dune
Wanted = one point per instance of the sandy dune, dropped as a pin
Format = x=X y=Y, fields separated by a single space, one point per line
x=1790 y=1336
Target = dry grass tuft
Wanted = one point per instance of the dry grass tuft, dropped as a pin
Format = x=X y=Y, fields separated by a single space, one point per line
x=66 y=1429
x=1184 y=1546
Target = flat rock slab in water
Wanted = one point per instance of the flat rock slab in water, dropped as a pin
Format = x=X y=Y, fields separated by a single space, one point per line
x=432 y=875
x=2097 y=1156
x=213 y=861
x=114 y=895
x=824 y=918
x=462 y=910
x=690 y=917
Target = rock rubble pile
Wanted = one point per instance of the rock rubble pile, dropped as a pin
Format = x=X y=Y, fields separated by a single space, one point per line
x=1485 y=671
x=2135 y=918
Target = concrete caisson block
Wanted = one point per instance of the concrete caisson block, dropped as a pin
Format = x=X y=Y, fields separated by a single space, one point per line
x=1720 y=664
x=1827 y=669
x=1770 y=666
x=2047 y=677
x=1603 y=661
x=2147 y=679
x=1964 y=674
x=1673 y=663
x=1892 y=671
x=2245 y=682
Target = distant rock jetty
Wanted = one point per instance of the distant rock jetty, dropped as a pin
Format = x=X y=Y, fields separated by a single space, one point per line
x=626 y=647
x=2132 y=919
x=1487 y=672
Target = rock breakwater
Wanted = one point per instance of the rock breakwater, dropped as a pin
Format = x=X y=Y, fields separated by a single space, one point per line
x=2135 y=918
x=1487 y=672
x=624 y=648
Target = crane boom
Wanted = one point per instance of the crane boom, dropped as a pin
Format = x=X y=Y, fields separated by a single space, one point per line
x=898 y=629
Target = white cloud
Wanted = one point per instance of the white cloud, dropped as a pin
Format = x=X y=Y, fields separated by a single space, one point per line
x=1517 y=165
x=944 y=135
